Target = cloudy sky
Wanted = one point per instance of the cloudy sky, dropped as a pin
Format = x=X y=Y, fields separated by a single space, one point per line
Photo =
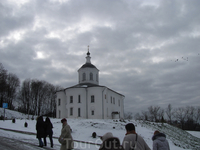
x=147 y=50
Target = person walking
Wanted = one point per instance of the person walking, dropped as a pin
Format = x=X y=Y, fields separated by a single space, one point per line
x=159 y=141
x=48 y=131
x=132 y=141
x=65 y=138
x=110 y=142
x=40 y=130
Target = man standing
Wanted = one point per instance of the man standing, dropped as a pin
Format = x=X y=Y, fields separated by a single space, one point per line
x=132 y=141
x=65 y=138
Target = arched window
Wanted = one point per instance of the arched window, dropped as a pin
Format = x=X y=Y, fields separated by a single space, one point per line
x=84 y=76
x=91 y=76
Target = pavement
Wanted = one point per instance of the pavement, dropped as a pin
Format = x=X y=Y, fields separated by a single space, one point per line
x=9 y=143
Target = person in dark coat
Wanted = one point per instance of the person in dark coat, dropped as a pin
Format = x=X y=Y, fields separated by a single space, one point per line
x=40 y=130
x=48 y=131
x=159 y=141
x=110 y=142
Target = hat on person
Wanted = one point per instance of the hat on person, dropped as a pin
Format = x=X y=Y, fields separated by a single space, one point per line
x=130 y=127
x=63 y=120
x=156 y=132
x=106 y=136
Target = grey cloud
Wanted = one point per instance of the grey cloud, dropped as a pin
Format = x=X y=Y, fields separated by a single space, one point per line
x=124 y=38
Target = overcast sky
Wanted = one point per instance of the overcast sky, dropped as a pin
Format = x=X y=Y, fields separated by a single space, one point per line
x=147 y=50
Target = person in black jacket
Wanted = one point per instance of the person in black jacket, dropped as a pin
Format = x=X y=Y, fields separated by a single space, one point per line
x=40 y=130
x=48 y=131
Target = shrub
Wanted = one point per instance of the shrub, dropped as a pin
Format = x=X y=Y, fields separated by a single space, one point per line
x=94 y=135
x=26 y=124
x=1 y=117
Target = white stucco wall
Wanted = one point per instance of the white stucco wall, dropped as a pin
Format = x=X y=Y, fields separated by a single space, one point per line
x=115 y=106
x=97 y=105
x=60 y=108
x=102 y=106
x=87 y=71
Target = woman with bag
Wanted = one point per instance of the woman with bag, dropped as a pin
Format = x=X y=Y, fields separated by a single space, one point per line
x=65 y=138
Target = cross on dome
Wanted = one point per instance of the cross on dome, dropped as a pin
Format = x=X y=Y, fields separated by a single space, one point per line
x=88 y=53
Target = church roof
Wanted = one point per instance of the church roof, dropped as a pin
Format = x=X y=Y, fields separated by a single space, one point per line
x=88 y=85
x=88 y=65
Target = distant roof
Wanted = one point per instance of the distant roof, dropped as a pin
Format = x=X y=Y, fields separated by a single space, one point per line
x=88 y=65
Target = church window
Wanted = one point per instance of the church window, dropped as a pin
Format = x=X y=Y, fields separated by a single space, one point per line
x=79 y=98
x=71 y=99
x=92 y=99
x=119 y=102
x=71 y=111
x=105 y=96
x=111 y=99
x=91 y=76
x=84 y=76
x=92 y=112
x=59 y=102
x=79 y=112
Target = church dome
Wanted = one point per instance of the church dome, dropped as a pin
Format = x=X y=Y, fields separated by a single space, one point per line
x=88 y=73
x=89 y=65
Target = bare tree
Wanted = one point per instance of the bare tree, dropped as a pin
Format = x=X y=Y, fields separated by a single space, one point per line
x=3 y=77
x=137 y=116
x=180 y=115
x=153 y=111
x=169 y=113
x=145 y=115
x=161 y=115
x=52 y=99
x=25 y=97
x=190 y=113
x=9 y=84
x=128 y=115
x=197 y=115
x=13 y=83
x=38 y=97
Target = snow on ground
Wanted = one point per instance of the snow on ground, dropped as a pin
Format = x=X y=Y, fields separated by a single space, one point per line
x=194 y=133
x=82 y=130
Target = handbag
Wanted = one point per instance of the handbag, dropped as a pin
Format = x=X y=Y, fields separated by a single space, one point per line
x=61 y=140
x=135 y=146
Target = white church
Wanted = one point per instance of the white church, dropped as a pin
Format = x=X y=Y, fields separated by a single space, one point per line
x=88 y=99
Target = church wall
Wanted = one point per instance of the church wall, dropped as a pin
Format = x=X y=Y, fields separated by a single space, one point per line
x=88 y=71
x=102 y=106
x=113 y=103
x=95 y=106
x=60 y=105
x=76 y=105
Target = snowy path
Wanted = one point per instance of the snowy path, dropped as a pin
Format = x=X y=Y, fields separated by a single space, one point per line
x=10 y=140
